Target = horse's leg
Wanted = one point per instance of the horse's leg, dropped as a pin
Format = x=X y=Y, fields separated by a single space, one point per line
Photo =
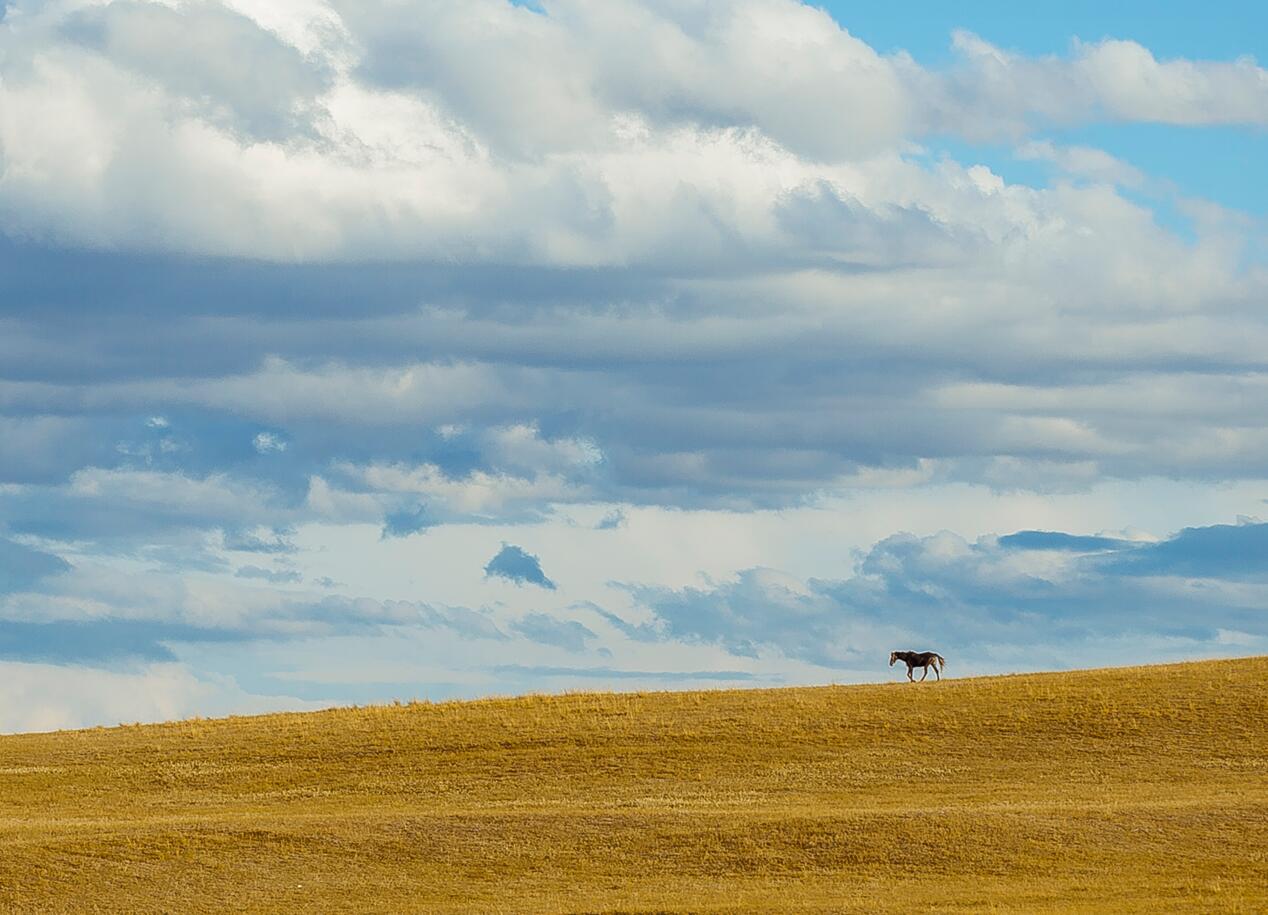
x=909 y=676
x=935 y=672
x=925 y=674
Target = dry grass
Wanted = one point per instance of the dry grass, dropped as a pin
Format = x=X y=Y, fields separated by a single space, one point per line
x=1131 y=790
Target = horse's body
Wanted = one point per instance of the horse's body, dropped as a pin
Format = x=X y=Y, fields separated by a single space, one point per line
x=914 y=659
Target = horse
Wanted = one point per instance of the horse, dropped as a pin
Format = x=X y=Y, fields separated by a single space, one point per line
x=914 y=659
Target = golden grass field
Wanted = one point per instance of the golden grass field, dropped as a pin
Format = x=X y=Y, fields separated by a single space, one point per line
x=1124 y=790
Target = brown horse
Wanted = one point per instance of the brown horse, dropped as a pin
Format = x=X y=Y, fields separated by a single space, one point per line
x=914 y=659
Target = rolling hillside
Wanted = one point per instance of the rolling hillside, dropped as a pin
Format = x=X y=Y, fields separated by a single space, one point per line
x=1125 y=790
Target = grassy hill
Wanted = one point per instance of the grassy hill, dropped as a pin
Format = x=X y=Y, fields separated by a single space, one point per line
x=1127 y=790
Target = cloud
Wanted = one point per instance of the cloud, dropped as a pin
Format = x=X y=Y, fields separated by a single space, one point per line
x=611 y=521
x=275 y=576
x=1056 y=540
x=45 y=697
x=638 y=632
x=186 y=50
x=514 y=565
x=406 y=522
x=469 y=624
x=1083 y=162
x=419 y=122
x=499 y=474
x=520 y=448
x=427 y=392
x=269 y=443
x=990 y=602
x=993 y=90
x=761 y=609
x=125 y=503
x=772 y=63
x=98 y=643
x=691 y=309
x=259 y=540
x=1223 y=551
x=547 y=630
x=187 y=606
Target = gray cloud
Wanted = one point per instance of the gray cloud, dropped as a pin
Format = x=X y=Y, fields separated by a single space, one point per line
x=991 y=602
x=762 y=609
x=547 y=630
x=98 y=643
x=515 y=565
x=276 y=576
x=1057 y=540
x=1225 y=551
x=147 y=606
x=725 y=405
x=611 y=521
x=277 y=541
x=221 y=62
x=638 y=632
x=407 y=521
x=127 y=503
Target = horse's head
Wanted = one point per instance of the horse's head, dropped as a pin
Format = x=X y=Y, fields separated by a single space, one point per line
x=893 y=656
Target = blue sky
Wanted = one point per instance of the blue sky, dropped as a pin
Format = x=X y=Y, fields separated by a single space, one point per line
x=1223 y=30
x=361 y=351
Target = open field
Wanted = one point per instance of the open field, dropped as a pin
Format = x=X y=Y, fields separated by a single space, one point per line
x=1129 y=790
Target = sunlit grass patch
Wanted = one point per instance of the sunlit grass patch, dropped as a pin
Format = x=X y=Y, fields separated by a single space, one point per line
x=1141 y=789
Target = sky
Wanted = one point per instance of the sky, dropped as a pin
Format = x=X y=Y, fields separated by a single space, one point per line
x=360 y=351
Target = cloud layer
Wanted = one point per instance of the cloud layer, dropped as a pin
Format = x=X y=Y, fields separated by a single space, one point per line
x=305 y=307
x=578 y=135
x=1049 y=596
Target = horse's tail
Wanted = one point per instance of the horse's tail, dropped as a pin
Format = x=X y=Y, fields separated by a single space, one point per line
x=942 y=662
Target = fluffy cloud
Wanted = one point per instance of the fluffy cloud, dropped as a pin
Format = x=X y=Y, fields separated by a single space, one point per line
x=46 y=697
x=1052 y=595
x=477 y=493
x=1110 y=79
x=369 y=130
x=762 y=609
x=131 y=505
x=1083 y=162
x=182 y=48
x=268 y=443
